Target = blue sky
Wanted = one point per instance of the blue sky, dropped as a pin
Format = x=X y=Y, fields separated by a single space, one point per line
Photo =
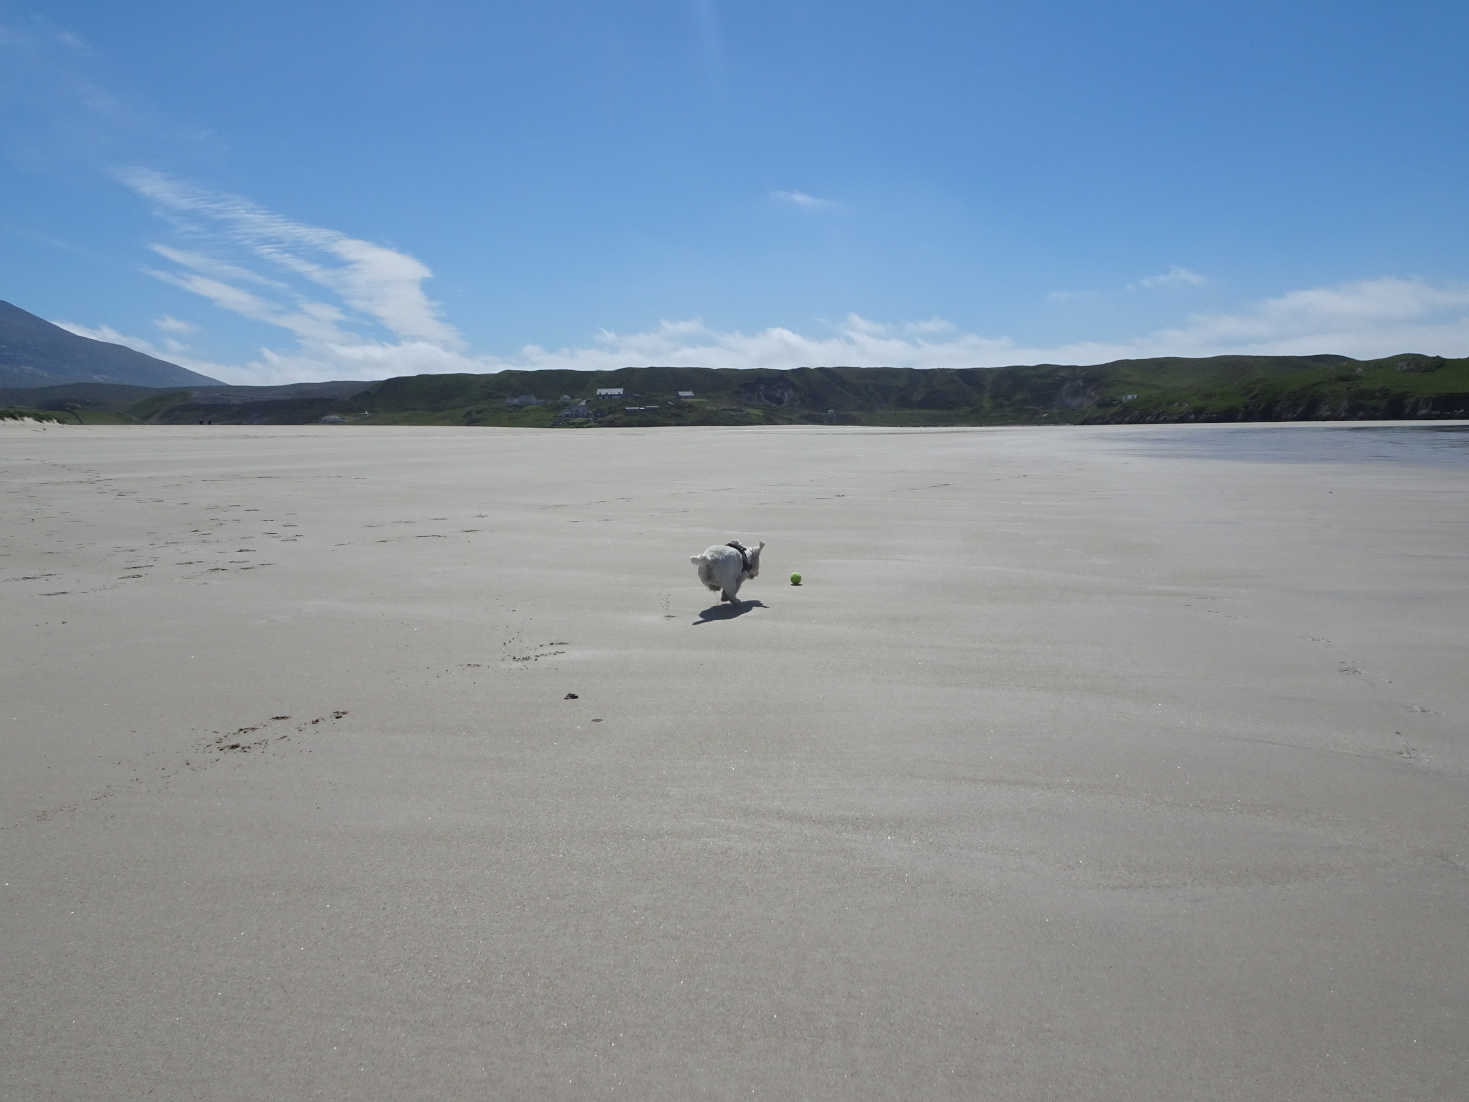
x=282 y=191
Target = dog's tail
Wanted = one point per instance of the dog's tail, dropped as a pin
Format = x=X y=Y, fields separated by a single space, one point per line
x=705 y=566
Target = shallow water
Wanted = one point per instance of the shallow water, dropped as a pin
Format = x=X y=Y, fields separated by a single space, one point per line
x=1412 y=443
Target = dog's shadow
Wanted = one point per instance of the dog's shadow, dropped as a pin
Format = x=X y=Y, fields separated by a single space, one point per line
x=723 y=611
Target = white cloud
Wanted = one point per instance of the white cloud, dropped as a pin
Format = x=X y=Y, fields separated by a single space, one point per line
x=682 y=328
x=1173 y=277
x=856 y=323
x=172 y=351
x=803 y=201
x=930 y=327
x=100 y=101
x=357 y=310
x=1368 y=318
x=40 y=31
x=712 y=44
x=1390 y=299
x=379 y=282
x=110 y=335
x=170 y=324
x=224 y=295
x=213 y=266
x=1365 y=319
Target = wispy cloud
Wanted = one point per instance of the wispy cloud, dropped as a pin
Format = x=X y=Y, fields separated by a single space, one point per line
x=213 y=266
x=34 y=30
x=711 y=43
x=371 y=279
x=1371 y=318
x=357 y=309
x=803 y=201
x=1363 y=319
x=110 y=335
x=856 y=323
x=170 y=324
x=226 y=296
x=1173 y=277
x=1374 y=317
x=172 y=350
x=929 y=327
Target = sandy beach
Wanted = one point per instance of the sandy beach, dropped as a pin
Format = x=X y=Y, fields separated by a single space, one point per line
x=344 y=762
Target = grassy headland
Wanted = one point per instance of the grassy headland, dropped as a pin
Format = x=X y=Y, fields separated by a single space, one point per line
x=1219 y=388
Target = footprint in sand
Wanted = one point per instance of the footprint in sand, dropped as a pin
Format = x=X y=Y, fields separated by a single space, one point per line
x=240 y=740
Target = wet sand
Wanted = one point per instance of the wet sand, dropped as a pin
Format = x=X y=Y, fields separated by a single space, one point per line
x=1072 y=770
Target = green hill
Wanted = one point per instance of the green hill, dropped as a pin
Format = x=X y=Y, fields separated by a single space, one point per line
x=1219 y=388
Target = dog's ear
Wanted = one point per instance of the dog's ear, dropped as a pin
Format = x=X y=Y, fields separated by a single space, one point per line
x=758 y=549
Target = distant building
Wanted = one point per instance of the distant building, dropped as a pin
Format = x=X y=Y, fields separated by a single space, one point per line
x=333 y=419
x=609 y=392
x=578 y=411
x=685 y=393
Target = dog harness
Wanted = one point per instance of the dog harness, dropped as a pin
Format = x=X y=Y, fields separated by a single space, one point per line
x=744 y=557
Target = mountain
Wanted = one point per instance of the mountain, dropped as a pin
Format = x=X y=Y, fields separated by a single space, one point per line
x=34 y=353
x=1154 y=391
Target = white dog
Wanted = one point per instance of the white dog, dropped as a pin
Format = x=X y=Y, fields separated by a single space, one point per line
x=724 y=568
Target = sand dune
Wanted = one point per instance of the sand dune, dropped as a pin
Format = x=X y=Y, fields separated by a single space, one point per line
x=416 y=764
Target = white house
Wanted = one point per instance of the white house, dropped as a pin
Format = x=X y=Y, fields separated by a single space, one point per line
x=609 y=392
x=685 y=393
